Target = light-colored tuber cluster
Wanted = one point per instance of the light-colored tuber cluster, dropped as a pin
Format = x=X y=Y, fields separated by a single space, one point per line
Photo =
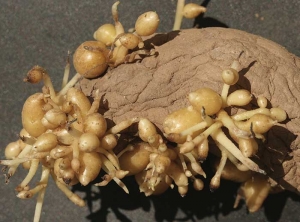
x=64 y=134
x=235 y=136
x=92 y=58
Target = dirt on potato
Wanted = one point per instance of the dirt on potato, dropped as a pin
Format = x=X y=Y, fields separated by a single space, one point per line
x=190 y=59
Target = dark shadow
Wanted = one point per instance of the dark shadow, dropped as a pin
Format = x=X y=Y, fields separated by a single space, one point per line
x=195 y=205
x=275 y=204
x=112 y=199
x=273 y=152
x=204 y=22
x=160 y=39
x=273 y=211
x=243 y=82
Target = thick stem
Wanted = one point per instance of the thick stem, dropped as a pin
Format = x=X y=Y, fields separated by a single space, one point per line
x=66 y=72
x=96 y=103
x=111 y=174
x=195 y=165
x=193 y=129
x=41 y=195
x=184 y=166
x=119 y=55
x=32 y=171
x=229 y=124
x=220 y=137
x=121 y=184
x=118 y=26
x=122 y=125
x=224 y=94
x=69 y=85
x=127 y=149
x=110 y=156
x=247 y=114
x=49 y=85
x=189 y=145
x=215 y=181
x=179 y=15
x=72 y=196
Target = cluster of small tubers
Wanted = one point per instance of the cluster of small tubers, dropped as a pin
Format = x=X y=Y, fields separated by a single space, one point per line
x=65 y=135
x=92 y=58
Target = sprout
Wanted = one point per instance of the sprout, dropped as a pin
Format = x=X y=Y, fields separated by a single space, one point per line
x=215 y=181
x=231 y=172
x=120 y=42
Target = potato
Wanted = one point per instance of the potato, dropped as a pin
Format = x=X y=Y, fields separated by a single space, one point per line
x=32 y=114
x=136 y=160
x=197 y=60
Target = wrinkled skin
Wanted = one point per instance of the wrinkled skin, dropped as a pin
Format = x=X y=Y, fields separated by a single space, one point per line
x=192 y=59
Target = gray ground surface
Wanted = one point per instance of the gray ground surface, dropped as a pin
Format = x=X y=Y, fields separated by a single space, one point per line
x=41 y=32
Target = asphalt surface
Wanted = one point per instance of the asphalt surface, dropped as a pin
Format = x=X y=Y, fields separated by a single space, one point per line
x=42 y=32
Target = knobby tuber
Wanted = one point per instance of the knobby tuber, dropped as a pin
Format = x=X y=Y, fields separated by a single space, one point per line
x=180 y=97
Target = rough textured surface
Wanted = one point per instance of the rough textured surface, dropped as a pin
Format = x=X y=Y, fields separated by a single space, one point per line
x=195 y=58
